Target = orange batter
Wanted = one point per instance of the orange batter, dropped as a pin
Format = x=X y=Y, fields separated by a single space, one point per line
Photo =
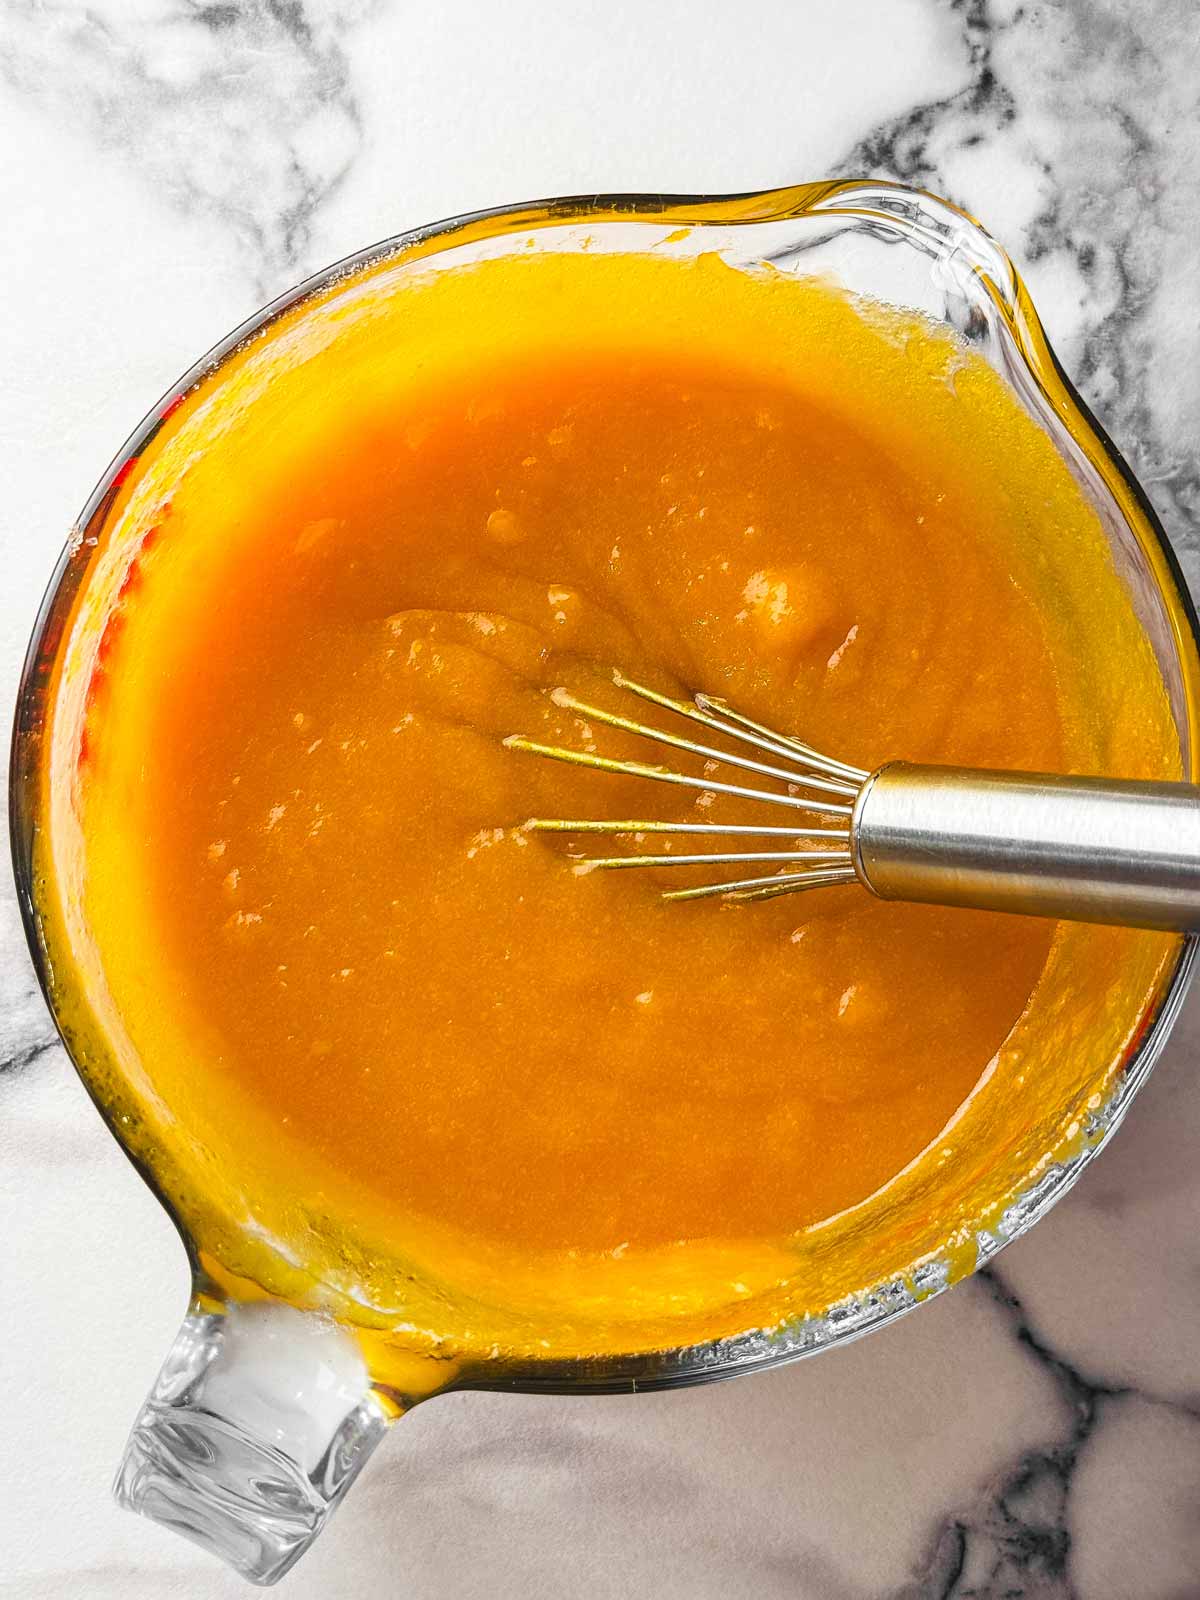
x=337 y=948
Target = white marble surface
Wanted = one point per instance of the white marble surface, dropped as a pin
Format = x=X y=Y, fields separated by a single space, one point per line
x=167 y=164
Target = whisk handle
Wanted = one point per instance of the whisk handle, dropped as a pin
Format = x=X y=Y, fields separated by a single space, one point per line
x=1084 y=849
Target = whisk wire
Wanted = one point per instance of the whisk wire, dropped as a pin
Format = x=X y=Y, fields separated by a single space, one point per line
x=784 y=743
x=716 y=714
x=639 y=769
x=796 y=775
x=629 y=826
x=808 y=775
x=765 y=888
x=707 y=858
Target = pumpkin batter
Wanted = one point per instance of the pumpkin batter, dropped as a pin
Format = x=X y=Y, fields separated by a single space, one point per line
x=337 y=947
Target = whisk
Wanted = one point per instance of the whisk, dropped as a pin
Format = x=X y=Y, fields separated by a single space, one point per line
x=1083 y=849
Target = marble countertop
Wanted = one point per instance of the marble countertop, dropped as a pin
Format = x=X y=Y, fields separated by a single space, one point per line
x=168 y=165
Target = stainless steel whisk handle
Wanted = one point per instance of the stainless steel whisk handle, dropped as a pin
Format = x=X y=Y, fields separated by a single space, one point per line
x=1085 y=849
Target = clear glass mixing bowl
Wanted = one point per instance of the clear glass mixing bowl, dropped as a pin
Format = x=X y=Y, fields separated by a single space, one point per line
x=263 y=1413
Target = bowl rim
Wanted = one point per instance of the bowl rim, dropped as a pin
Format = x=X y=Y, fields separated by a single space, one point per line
x=890 y=203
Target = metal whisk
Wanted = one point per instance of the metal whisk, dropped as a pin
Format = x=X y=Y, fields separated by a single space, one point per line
x=1083 y=849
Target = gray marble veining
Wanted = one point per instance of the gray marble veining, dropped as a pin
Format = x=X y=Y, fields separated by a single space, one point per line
x=1036 y=1434
x=243 y=113
x=1074 y=139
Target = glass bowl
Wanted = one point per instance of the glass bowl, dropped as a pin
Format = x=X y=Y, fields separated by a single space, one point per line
x=263 y=1413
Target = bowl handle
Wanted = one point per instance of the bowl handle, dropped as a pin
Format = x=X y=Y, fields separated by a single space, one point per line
x=260 y=1420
